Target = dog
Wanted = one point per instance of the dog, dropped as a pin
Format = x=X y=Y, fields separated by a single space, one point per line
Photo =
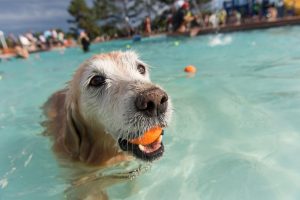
x=109 y=102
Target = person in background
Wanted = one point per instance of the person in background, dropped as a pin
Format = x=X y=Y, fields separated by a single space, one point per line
x=257 y=10
x=42 y=42
x=213 y=20
x=238 y=17
x=85 y=41
x=31 y=37
x=48 y=37
x=206 y=19
x=222 y=15
x=147 y=25
x=12 y=40
x=182 y=18
x=21 y=52
x=265 y=7
x=272 y=13
x=280 y=8
x=61 y=38
x=290 y=8
x=54 y=34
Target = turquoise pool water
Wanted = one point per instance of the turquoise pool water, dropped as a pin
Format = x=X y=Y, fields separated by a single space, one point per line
x=235 y=132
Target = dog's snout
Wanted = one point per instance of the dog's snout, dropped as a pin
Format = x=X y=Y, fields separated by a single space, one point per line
x=152 y=102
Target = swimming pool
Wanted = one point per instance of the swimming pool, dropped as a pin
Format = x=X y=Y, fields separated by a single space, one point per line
x=235 y=132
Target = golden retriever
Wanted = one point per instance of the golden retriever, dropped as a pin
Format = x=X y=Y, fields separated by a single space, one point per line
x=109 y=102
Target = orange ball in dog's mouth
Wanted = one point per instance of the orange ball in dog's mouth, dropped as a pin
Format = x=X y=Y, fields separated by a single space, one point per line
x=148 y=137
x=150 y=141
x=147 y=147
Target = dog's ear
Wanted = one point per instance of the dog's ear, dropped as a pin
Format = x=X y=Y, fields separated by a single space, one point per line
x=73 y=135
x=80 y=143
x=77 y=139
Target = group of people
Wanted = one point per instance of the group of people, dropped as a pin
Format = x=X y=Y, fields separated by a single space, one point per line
x=24 y=44
x=46 y=40
x=222 y=18
x=183 y=18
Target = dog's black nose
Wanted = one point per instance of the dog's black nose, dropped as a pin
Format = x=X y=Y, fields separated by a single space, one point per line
x=152 y=102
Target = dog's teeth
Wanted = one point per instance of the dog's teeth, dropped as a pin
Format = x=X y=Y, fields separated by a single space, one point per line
x=141 y=147
x=159 y=139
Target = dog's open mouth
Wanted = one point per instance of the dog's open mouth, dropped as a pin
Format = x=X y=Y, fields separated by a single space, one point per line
x=147 y=152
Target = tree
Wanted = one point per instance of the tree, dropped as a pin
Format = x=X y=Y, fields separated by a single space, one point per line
x=103 y=9
x=84 y=17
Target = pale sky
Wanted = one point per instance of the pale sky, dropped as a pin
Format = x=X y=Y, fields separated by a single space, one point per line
x=19 y=16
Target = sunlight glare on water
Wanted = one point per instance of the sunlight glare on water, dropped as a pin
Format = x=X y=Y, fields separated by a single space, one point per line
x=235 y=132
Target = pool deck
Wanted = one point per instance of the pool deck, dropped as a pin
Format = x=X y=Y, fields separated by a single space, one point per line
x=11 y=54
x=4 y=57
x=253 y=25
x=242 y=27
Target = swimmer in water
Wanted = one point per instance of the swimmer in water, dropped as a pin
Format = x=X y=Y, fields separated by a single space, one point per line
x=85 y=42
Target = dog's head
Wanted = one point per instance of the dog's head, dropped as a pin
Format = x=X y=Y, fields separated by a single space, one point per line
x=114 y=93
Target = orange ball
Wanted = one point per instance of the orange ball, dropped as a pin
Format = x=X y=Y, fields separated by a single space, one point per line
x=148 y=137
x=190 y=69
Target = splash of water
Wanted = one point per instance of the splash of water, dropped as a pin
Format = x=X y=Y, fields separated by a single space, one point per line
x=219 y=40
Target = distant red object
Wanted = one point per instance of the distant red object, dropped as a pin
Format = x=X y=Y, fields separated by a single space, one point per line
x=190 y=69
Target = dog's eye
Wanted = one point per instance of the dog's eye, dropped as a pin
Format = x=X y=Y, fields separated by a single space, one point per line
x=97 y=81
x=141 y=69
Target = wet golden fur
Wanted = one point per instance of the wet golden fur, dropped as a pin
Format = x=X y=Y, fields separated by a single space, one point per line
x=84 y=138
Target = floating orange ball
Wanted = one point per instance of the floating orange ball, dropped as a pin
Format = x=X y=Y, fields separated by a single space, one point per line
x=190 y=69
x=148 y=137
